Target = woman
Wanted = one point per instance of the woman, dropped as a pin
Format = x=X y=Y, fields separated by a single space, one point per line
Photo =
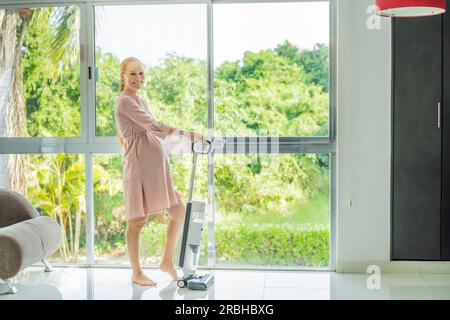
x=147 y=180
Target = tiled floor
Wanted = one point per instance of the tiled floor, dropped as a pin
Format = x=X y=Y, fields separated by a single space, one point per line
x=111 y=283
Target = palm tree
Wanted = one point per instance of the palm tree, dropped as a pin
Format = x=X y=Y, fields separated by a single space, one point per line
x=12 y=106
x=57 y=187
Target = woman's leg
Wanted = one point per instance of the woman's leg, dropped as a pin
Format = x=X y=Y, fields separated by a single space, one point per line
x=133 y=232
x=176 y=218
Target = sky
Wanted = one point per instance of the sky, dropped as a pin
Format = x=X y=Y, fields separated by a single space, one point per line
x=148 y=32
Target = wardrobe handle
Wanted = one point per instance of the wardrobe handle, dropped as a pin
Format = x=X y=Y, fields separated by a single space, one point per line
x=439 y=115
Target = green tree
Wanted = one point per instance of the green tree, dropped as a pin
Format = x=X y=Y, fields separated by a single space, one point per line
x=315 y=62
x=177 y=92
x=56 y=186
x=52 y=94
x=107 y=89
x=269 y=94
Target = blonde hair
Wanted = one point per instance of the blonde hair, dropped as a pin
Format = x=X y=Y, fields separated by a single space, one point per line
x=123 y=67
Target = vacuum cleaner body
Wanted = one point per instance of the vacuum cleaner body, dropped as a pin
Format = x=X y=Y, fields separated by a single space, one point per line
x=191 y=239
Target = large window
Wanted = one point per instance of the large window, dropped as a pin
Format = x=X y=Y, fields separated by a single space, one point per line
x=110 y=222
x=55 y=185
x=40 y=72
x=272 y=210
x=257 y=76
x=171 y=41
x=271 y=64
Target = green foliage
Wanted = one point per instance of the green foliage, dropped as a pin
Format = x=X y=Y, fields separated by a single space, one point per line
x=272 y=245
x=315 y=62
x=153 y=239
x=270 y=93
x=108 y=85
x=108 y=204
x=266 y=182
x=255 y=244
x=177 y=92
x=52 y=101
x=56 y=186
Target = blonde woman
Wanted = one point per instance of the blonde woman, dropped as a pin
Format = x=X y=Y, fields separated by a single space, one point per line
x=147 y=179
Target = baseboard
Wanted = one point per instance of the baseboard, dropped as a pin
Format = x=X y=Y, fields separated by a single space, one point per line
x=394 y=266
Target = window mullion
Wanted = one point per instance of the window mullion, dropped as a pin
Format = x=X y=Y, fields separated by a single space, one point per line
x=89 y=116
x=211 y=209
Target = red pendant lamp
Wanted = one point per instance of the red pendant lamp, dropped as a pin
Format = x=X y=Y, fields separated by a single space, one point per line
x=410 y=8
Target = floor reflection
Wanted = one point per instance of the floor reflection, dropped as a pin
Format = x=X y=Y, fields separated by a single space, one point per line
x=31 y=292
x=78 y=283
x=173 y=292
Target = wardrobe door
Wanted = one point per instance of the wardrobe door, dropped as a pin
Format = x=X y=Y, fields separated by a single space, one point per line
x=416 y=139
x=445 y=233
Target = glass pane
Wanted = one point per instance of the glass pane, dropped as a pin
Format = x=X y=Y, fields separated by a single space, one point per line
x=55 y=186
x=271 y=69
x=40 y=83
x=272 y=210
x=171 y=41
x=109 y=204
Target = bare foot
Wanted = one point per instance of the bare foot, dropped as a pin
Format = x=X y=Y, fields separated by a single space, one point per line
x=170 y=269
x=142 y=280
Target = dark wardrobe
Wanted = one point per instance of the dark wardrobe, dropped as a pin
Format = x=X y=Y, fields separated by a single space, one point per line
x=420 y=181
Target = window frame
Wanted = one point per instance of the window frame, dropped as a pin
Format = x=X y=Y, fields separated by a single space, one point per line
x=54 y=144
x=88 y=143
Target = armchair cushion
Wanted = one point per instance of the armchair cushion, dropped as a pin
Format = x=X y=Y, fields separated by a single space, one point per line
x=27 y=242
x=14 y=208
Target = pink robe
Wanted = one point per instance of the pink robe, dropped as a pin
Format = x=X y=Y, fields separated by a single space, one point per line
x=147 y=181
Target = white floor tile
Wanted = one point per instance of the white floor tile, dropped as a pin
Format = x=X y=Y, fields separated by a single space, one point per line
x=123 y=276
x=125 y=292
x=443 y=292
x=412 y=293
x=172 y=292
x=296 y=294
x=33 y=276
x=320 y=280
x=437 y=280
x=392 y=293
x=239 y=278
x=71 y=283
x=31 y=292
x=360 y=281
x=163 y=291
x=359 y=294
x=238 y=292
x=240 y=285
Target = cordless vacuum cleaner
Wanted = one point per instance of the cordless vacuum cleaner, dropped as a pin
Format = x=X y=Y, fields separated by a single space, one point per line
x=190 y=248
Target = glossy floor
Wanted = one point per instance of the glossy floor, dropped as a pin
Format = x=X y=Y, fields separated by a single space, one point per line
x=111 y=283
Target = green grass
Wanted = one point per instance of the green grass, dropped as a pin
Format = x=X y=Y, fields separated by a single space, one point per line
x=315 y=213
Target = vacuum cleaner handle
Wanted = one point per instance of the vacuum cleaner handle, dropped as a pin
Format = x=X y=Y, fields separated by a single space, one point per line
x=195 y=153
x=208 y=150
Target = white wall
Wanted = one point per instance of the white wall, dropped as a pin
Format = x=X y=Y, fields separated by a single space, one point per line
x=364 y=144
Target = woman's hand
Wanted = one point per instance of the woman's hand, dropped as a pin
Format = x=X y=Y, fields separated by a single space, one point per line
x=191 y=135
x=196 y=137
